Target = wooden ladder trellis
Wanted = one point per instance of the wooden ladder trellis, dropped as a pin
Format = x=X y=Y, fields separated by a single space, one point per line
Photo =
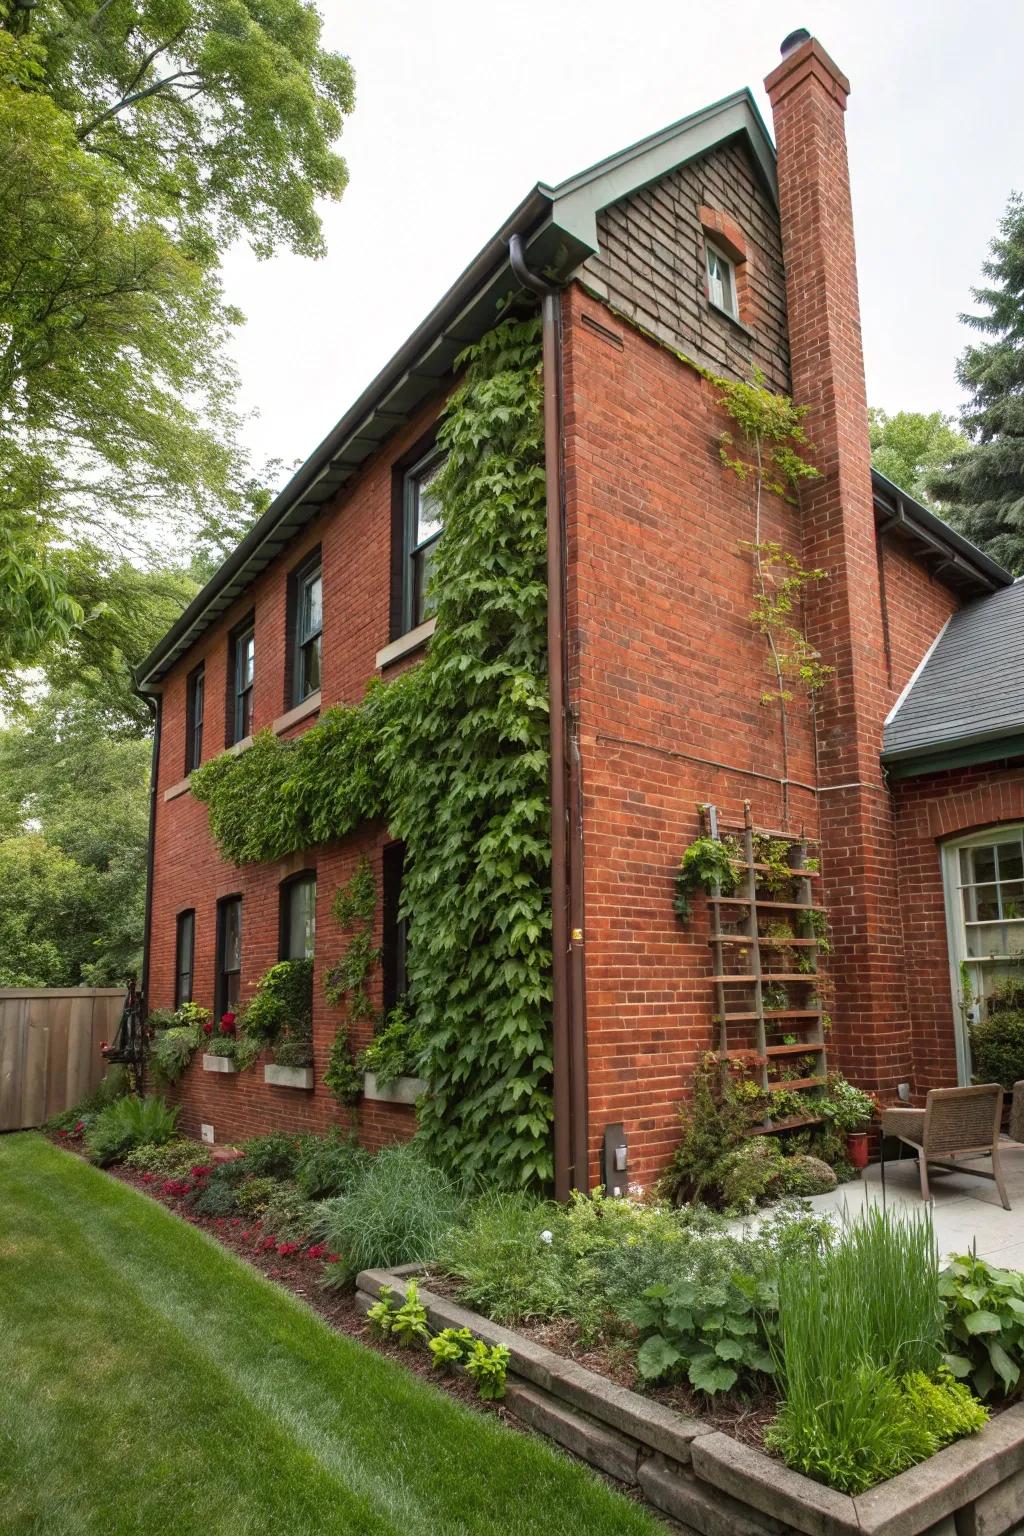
x=757 y=1020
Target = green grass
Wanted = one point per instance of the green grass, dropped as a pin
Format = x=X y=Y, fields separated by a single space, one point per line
x=152 y=1383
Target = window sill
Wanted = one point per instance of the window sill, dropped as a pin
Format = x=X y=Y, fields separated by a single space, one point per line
x=181 y=788
x=310 y=706
x=413 y=640
x=732 y=319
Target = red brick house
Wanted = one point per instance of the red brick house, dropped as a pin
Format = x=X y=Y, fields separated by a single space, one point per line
x=704 y=244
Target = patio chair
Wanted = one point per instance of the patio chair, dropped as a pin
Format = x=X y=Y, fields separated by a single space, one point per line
x=955 y=1125
x=1017 y=1113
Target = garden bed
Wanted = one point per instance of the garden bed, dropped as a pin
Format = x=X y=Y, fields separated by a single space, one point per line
x=714 y=1482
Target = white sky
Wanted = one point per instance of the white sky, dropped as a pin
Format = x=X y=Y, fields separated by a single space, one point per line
x=463 y=104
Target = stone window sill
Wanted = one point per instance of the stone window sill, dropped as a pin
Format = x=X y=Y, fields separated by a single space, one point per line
x=732 y=319
x=310 y=706
x=405 y=645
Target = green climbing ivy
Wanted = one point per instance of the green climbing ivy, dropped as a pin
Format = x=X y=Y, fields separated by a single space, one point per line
x=454 y=756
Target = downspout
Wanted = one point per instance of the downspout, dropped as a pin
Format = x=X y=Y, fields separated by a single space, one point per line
x=154 y=706
x=568 y=1026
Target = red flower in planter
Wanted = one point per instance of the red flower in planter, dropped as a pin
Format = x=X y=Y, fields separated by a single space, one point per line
x=208 y=1028
x=227 y=1023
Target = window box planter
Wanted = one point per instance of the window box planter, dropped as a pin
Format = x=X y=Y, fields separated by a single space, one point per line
x=219 y=1064
x=710 y=1482
x=288 y=1077
x=403 y=1090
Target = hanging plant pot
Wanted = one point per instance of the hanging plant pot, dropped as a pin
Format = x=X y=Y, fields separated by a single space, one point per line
x=401 y=1090
x=288 y=1077
x=219 y=1064
x=857 y=1148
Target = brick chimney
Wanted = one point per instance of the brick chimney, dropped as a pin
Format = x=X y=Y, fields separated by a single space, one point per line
x=808 y=93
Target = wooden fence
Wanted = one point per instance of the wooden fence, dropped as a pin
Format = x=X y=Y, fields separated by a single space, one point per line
x=50 y=1040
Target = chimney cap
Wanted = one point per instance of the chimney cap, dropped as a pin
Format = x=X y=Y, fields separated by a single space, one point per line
x=794 y=41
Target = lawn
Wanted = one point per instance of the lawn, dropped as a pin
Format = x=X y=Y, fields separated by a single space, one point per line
x=151 y=1382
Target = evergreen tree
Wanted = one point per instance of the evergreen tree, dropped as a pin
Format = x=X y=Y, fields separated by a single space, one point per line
x=982 y=490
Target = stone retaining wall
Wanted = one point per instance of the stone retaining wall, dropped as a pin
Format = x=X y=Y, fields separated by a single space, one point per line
x=714 y=1485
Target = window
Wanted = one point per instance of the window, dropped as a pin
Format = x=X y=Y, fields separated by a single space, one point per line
x=241 y=673
x=984 y=880
x=721 y=280
x=395 y=944
x=194 y=720
x=423 y=527
x=184 y=958
x=227 y=989
x=305 y=623
x=298 y=917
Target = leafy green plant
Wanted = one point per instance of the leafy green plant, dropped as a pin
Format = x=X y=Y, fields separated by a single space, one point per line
x=254 y=1195
x=984 y=1308
x=280 y=1014
x=507 y=1269
x=708 y=862
x=127 y=1123
x=459 y=741
x=450 y=1347
x=398 y=1213
x=945 y=1405
x=169 y=1158
x=409 y=1323
x=381 y=1314
x=845 y=1107
x=354 y=907
x=488 y=1368
x=272 y=1156
x=288 y=1214
x=715 y=1335
x=218 y=1198
x=329 y=1165
x=997 y=1041
x=173 y=1049
x=342 y=1078
x=395 y=1050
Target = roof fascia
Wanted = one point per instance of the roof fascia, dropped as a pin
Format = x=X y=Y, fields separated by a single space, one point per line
x=936 y=759
x=897 y=508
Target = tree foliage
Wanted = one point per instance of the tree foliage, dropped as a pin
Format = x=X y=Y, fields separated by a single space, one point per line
x=454 y=757
x=982 y=490
x=909 y=446
x=137 y=139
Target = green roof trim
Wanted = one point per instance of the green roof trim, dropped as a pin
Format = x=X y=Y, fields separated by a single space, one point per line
x=994 y=750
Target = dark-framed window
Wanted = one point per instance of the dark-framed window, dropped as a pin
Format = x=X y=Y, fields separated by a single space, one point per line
x=298 y=916
x=228 y=980
x=241 y=678
x=422 y=528
x=305 y=629
x=184 y=957
x=395 y=936
x=195 y=707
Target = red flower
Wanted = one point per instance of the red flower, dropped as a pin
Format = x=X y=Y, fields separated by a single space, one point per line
x=103 y=1045
x=334 y=1258
x=147 y=1178
x=200 y=1171
x=227 y=1023
x=267 y=1244
x=236 y=1221
x=246 y=1236
x=207 y=1028
x=287 y=1249
x=62 y=1133
x=317 y=1251
x=80 y=1125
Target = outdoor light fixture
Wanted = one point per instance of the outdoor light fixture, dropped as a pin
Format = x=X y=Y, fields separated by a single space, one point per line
x=615 y=1161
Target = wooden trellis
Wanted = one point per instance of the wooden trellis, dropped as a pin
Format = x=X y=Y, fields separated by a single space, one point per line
x=749 y=966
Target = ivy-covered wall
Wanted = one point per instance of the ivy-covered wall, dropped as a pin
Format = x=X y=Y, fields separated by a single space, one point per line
x=453 y=757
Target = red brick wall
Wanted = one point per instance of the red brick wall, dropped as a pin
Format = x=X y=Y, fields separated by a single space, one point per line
x=928 y=811
x=915 y=608
x=355 y=535
x=667 y=670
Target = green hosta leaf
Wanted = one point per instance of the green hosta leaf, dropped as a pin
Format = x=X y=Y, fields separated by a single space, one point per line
x=1003 y=1366
x=762 y=1360
x=983 y=1380
x=958 y=1365
x=656 y=1357
x=729 y=1349
x=982 y=1322
x=708 y=1374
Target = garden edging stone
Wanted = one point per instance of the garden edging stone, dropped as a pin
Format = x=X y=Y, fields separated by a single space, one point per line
x=718 y=1486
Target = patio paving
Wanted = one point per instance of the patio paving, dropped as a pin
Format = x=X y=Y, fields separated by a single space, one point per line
x=966 y=1211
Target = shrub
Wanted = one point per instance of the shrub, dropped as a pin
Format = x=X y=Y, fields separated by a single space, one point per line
x=984 y=1324
x=168 y=1158
x=945 y=1405
x=398 y=1213
x=845 y=1107
x=172 y=1050
x=505 y=1257
x=113 y=1086
x=127 y=1123
x=218 y=1198
x=329 y=1165
x=997 y=1043
x=254 y=1195
x=281 y=1012
x=395 y=1051
x=487 y=1368
x=272 y=1156
x=803 y=1175
x=288 y=1214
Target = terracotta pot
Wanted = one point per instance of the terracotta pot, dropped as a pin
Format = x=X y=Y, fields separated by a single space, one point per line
x=857 y=1148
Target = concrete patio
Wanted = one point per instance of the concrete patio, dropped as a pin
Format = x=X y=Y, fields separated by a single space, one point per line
x=966 y=1210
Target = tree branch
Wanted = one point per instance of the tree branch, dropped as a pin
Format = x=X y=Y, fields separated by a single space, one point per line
x=131 y=99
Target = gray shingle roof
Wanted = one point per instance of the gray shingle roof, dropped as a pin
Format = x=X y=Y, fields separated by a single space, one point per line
x=970 y=687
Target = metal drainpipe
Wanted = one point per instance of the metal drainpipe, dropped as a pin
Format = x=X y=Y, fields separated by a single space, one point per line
x=569 y=1037
x=154 y=705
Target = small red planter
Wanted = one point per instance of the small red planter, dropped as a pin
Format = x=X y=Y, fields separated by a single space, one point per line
x=857 y=1148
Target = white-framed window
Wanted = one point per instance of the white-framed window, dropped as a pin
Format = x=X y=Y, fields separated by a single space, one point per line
x=983 y=875
x=721 y=280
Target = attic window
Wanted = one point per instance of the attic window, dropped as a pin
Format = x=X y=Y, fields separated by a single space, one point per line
x=721 y=281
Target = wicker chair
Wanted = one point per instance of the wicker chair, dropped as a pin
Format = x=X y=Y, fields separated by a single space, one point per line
x=955 y=1124
x=1017 y=1113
